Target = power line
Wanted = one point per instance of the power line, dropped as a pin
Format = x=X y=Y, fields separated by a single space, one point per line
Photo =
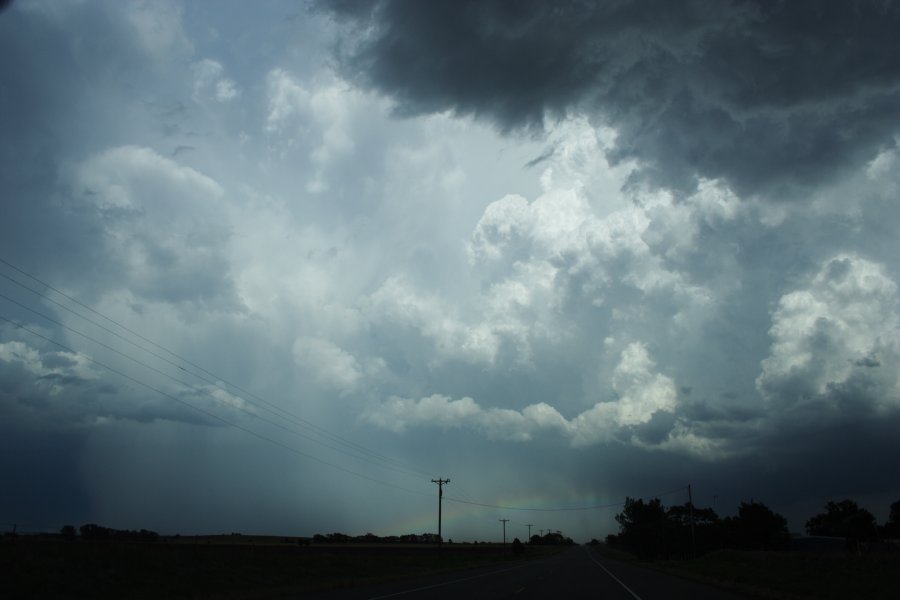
x=207 y=392
x=302 y=422
x=218 y=381
x=563 y=508
x=209 y=413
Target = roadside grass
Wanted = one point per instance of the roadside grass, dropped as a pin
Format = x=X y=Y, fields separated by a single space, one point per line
x=791 y=575
x=787 y=575
x=35 y=568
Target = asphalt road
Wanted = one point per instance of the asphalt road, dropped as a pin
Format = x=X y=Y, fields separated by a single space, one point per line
x=576 y=572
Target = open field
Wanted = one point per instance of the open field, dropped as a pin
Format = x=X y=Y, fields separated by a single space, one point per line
x=221 y=566
x=789 y=575
x=798 y=575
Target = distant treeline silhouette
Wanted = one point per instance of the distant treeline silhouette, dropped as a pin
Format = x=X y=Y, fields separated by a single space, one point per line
x=371 y=538
x=551 y=539
x=92 y=531
x=652 y=531
x=548 y=539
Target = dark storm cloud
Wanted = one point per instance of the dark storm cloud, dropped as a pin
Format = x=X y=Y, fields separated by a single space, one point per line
x=791 y=471
x=58 y=495
x=773 y=96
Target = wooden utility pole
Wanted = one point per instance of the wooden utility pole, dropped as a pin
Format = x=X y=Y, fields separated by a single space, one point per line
x=504 y=529
x=529 y=533
x=440 y=483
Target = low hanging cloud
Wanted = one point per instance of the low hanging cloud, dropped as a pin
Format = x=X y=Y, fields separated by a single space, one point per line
x=740 y=90
x=640 y=395
x=52 y=372
x=67 y=390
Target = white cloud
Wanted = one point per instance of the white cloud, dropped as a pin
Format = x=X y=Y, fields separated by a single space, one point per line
x=51 y=370
x=397 y=303
x=321 y=119
x=327 y=363
x=287 y=99
x=226 y=398
x=210 y=82
x=842 y=328
x=163 y=224
x=158 y=27
x=639 y=394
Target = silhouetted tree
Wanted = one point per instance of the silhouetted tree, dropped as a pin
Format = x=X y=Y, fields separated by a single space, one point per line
x=551 y=538
x=844 y=519
x=68 y=532
x=642 y=527
x=756 y=527
x=678 y=529
x=92 y=531
x=517 y=547
x=145 y=535
x=891 y=529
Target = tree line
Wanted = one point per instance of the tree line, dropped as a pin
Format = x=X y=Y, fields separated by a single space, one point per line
x=653 y=531
x=92 y=531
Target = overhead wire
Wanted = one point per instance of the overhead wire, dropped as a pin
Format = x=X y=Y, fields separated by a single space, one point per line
x=275 y=409
x=302 y=422
x=217 y=380
x=558 y=508
x=201 y=390
x=208 y=413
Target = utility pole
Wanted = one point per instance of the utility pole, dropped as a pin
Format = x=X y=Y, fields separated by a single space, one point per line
x=440 y=483
x=504 y=529
x=529 y=533
x=691 y=513
x=542 y=532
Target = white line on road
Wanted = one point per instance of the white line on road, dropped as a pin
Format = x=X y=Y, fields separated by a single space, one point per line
x=608 y=572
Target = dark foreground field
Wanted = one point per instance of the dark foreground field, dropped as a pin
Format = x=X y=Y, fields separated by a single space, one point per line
x=788 y=575
x=205 y=568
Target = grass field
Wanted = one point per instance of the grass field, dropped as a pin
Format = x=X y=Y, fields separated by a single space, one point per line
x=790 y=575
x=220 y=566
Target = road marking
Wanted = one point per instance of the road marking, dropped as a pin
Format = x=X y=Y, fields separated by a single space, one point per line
x=437 y=585
x=608 y=572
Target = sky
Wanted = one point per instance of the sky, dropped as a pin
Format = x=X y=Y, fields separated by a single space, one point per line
x=274 y=267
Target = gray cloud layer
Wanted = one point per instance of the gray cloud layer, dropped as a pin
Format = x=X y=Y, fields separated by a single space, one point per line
x=772 y=96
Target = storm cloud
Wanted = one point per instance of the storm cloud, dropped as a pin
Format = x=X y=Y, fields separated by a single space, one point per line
x=773 y=97
x=263 y=264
